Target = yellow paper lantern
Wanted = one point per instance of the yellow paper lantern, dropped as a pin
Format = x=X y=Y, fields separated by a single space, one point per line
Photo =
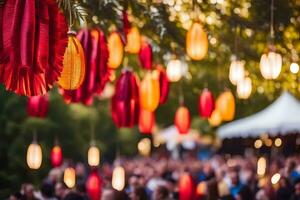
x=236 y=71
x=144 y=146
x=244 y=88
x=118 y=178
x=261 y=166
x=225 y=104
x=115 y=48
x=196 y=42
x=73 y=72
x=275 y=178
x=215 y=118
x=93 y=156
x=34 y=156
x=176 y=69
x=270 y=65
x=294 y=68
x=133 y=41
x=70 y=177
x=149 y=92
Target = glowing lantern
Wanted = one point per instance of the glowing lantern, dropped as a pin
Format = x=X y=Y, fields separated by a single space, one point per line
x=118 y=178
x=175 y=70
x=145 y=54
x=270 y=65
x=163 y=84
x=236 y=71
x=73 y=72
x=115 y=48
x=93 y=156
x=144 y=146
x=37 y=106
x=215 y=118
x=93 y=186
x=275 y=178
x=261 y=166
x=69 y=177
x=34 y=156
x=196 y=42
x=186 y=187
x=294 y=68
x=201 y=189
x=225 y=104
x=133 y=40
x=149 y=92
x=182 y=120
x=56 y=156
x=146 y=121
x=206 y=103
x=244 y=88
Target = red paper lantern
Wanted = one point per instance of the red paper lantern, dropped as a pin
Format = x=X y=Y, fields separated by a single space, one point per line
x=186 y=187
x=56 y=156
x=206 y=103
x=163 y=84
x=93 y=186
x=95 y=49
x=34 y=42
x=182 y=120
x=145 y=54
x=37 y=106
x=125 y=102
x=146 y=121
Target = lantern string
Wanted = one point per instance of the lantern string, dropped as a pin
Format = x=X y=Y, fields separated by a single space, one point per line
x=181 y=95
x=71 y=22
x=272 y=20
x=34 y=137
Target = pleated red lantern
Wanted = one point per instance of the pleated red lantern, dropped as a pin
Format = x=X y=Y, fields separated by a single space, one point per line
x=206 y=103
x=146 y=121
x=145 y=54
x=163 y=84
x=186 y=187
x=34 y=42
x=93 y=186
x=56 y=156
x=95 y=49
x=37 y=106
x=182 y=120
x=125 y=102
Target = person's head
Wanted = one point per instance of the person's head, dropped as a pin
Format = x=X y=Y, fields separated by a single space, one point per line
x=47 y=189
x=107 y=194
x=138 y=193
x=234 y=176
x=133 y=181
x=60 y=190
x=160 y=193
x=29 y=191
x=297 y=187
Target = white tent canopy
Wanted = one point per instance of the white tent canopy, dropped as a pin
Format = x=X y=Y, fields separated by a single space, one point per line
x=281 y=117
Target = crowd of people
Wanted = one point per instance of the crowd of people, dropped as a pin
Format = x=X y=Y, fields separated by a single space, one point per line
x=188 y=178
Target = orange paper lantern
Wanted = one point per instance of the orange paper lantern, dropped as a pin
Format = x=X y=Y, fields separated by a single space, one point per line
x=73 y=72
x=225 y=104
x=146 y=121
x=133 y=40
x=149 y=92
x=215 y=118
x=182 y=120
x=196 y=42
x=115 y=48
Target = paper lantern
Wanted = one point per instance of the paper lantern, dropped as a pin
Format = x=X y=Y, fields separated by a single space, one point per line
x=145 y=54
x=215 y=118
x=196 y=42
x=69 y=177
x=182 y=120
x=56 y=156
x=34 y=36
x=146 y=121
x=118 y=178
x=270 y=65
x=149 y=92
x=144 y=146
x=73 y=72
x=115 y=48
x=163 y=84
x=175 y=70
x=37 y=106
x=186 y=187
x=34 y=156
x=93 y=156
x=93 y=186
x=125 y=102
x=133 y=40
x=244 y=88
x=236 y=71
x=225 y=104
x=261 y=166
x=206 y=103
x=294 y=68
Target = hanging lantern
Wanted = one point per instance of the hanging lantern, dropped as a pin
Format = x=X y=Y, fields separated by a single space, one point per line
x=236 y=71
x=163 y=84
x=70 y=177
x=146 y=121
x=115 y=48
x=73 y=72
x=34 y=36
x=215 y=118
x=196 y=42
x=175 y=70
x=145 y=54
x=182 y=120
x=56 y=156
x=93 y=156
x=133 y=40
x=206 y=103
x=294 y=68
x=186 y=187
x=261 y=166
x=118 y=178
x=270 y=65
x=37 y=106
x=244 y=88
x=34 y=156
x=149 y=92
x=125 y=102
x=225 y=104
x=93 y=186
x=144 y=146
